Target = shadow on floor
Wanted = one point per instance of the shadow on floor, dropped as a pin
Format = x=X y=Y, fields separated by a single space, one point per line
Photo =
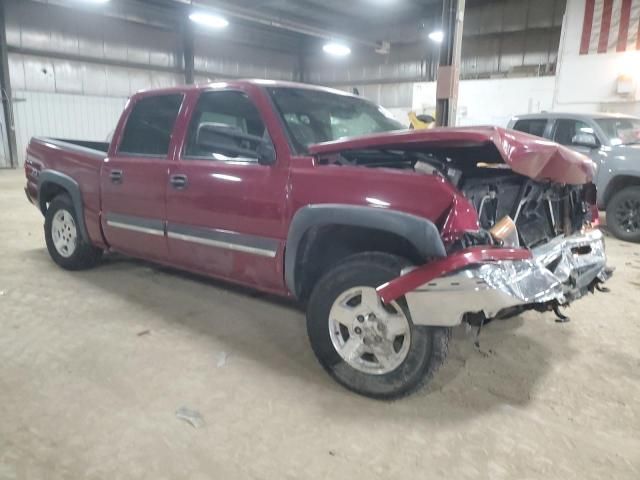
x=271 y=331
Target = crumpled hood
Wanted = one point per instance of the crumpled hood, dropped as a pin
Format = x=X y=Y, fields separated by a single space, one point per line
x=525 y=154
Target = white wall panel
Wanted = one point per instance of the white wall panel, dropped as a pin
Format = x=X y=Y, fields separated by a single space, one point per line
x=16 y=70
x=94 y=79
x=68 y=76
x=391 y=96
x=117 y=82
x=65 y=76
x=38 y=74
x=62 y=115
x=139 y=80
x=162 y=79
x=490 y=102
x=587 y=83
x=90 y=39
x=57 y=29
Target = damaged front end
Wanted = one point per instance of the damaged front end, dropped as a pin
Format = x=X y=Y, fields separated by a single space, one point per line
x=519 y=230
x=498 y=282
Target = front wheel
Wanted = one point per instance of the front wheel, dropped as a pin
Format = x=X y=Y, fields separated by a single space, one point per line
x=371 y=348
x=623 y=214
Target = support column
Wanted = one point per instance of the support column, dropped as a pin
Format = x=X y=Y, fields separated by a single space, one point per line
x=449 y=65
x=301 y=73
x=5 y=91
x=188 y=41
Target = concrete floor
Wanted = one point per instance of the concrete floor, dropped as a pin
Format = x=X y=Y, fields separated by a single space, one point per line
x=93 y=366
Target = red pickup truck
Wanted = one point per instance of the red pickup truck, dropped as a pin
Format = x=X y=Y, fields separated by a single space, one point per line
x=388 y=237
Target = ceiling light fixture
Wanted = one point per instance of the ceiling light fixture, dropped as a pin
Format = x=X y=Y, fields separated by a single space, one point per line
x=94 y=1
x=336 y=49
x=436 y=36
x=209 y=20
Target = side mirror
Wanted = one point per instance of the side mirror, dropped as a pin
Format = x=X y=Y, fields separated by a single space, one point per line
x=266 y=153
x=231 y=141
x=583 y=139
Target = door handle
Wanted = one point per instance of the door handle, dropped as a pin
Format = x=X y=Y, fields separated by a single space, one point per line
x=178 y=181
x=115 y=176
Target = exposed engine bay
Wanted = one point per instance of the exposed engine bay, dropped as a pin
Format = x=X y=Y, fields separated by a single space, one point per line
x=540 y=210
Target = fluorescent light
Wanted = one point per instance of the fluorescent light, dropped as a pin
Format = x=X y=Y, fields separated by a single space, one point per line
x=436 y=36
x=209 y=20
x=92 y=1
x=336 y=49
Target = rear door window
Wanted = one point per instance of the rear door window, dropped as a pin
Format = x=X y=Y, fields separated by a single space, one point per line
x=150 y=125
x=533 y=126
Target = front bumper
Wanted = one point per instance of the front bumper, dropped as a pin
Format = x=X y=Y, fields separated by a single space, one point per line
x=556 y=273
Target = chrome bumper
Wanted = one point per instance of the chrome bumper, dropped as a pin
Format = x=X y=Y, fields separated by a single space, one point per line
x=560 y=271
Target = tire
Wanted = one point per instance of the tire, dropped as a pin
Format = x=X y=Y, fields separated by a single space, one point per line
x=623 y=214
x=365 y=373
x=64 y=240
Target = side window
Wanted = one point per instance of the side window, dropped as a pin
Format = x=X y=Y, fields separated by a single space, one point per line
x=225 y=126
x=565 y=130
x=150 y=124
x=533 y=126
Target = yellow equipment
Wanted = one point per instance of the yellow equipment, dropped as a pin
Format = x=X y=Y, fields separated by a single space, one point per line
x=421 y=122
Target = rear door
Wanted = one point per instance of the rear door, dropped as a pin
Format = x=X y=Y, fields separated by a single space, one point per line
x=225 y=210
x=134 y=178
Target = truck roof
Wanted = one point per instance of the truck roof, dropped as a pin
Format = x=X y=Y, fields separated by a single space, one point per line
x=576 y=116
x=255 y=82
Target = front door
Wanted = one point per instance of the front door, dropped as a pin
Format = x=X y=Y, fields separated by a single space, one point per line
x=134 y=179
x=225 y=210
x=565 y=131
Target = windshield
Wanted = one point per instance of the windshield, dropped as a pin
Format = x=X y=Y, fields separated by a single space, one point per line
x=313 y=116
x=621 y=130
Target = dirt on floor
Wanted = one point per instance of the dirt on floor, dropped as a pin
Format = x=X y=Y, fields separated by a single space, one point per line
x=95 y=364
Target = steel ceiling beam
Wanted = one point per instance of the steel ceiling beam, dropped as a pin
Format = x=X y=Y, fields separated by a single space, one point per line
x=279 y=22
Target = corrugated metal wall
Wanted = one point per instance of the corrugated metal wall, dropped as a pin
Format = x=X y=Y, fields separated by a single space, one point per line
x=64 y=115
x=77 y=53
x=4 y=143
x=501 y=38
x=46 y=74
x=77 y=48
x=242 y=61
x=390 y=95
x=72 y=70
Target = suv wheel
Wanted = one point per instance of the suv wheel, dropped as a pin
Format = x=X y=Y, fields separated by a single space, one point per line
x=623 y=214
x=371 y=348
x=64 y=242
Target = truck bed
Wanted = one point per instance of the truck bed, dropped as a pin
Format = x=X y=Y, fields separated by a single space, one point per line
x=79 y=161
x=102 y=147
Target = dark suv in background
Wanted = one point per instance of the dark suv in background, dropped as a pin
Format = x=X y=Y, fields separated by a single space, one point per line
x=613 y=142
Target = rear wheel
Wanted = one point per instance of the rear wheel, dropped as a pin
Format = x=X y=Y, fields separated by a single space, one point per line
x=371 y=348
x=64 y=241
x=623 y=214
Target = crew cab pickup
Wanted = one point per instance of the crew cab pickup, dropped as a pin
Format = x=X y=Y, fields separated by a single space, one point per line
x=612 y=141
x=388 y=238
